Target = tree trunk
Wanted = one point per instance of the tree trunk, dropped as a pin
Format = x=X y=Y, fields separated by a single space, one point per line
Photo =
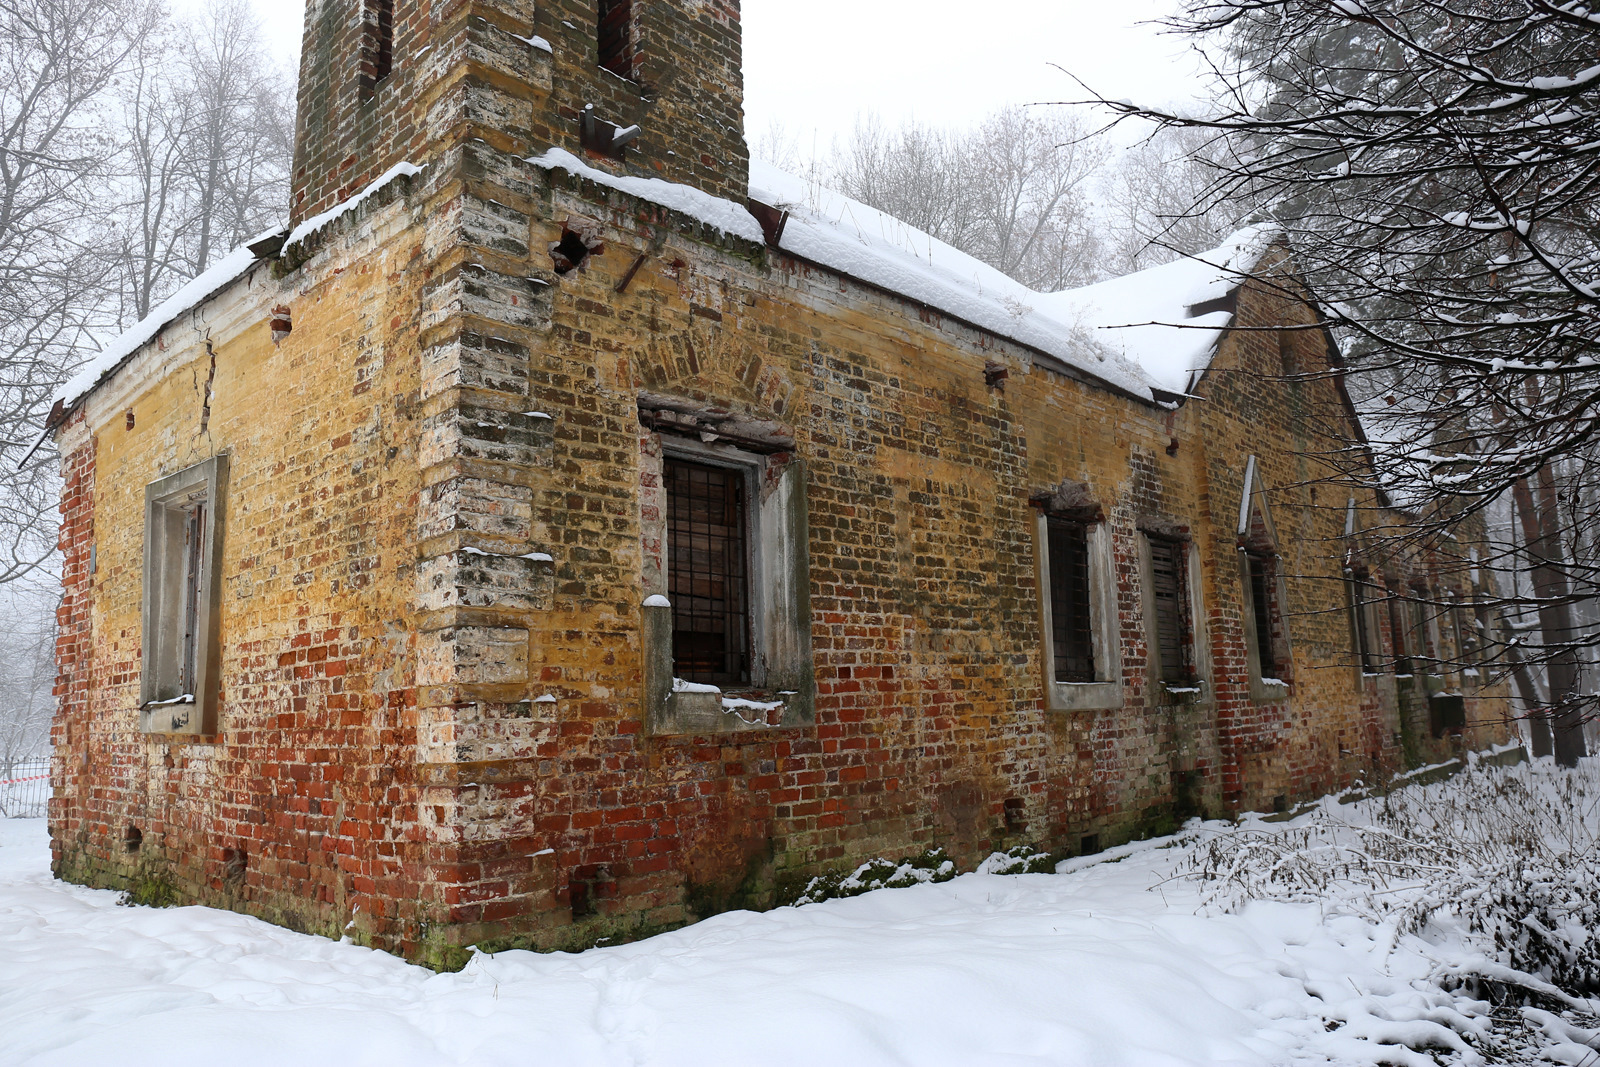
x=1537 y=510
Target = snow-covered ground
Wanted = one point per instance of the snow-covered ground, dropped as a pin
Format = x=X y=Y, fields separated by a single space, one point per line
x=1109 y=962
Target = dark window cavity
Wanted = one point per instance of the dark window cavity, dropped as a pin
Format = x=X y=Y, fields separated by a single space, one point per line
x=616 y=37
x=1171 y=604
x=1360 y=601
x=377 y=44
x=708 y=572
x=1073 y=643
x=194 y=555
x=1397 y=634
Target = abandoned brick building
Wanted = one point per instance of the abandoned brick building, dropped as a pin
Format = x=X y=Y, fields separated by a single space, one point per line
x=565 y=529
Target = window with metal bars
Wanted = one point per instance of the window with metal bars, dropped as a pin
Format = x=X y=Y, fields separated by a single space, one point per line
x=1072 y=641
x=1170 y=596
x=708 y=568
x=616 y=37
x=1264 y=607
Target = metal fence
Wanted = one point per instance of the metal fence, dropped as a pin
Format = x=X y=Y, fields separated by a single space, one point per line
x=24 y=789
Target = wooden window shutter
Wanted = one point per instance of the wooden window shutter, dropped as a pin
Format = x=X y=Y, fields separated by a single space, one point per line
x=1166 y=567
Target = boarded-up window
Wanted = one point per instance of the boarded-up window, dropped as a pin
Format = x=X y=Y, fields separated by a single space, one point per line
x=616 y=37
x=1264 y=606
x=1171 y=610
x=708 y=572
x=1072 y=643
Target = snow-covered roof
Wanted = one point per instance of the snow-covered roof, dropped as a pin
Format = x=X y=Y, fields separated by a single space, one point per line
x=714 y=211
x=835 y=231
x=1150 y=319
x=103 y=363
x=216 y=278
x=1136 y=333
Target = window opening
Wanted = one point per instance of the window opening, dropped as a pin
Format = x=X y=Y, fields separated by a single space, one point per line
x=708 y=572
x=1172 y=637
x=616 y=37
x=1397 y=633
x=1264 y=603
x=377 y=58
x=194 y=529
x=1480 y=625
x=1358 y=589
x=1072 y=640
x=1466 y=643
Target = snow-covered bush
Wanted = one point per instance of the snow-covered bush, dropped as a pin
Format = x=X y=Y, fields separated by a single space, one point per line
x=1023 y=859
x=932 y=866
x=1508 y=856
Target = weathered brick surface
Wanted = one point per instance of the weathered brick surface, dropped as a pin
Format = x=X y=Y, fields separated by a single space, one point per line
x=465 y=72
x=445 y=513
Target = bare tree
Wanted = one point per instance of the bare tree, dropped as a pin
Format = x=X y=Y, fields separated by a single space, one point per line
x=208 y=142
x=58 y=58
x=1435 y=165
x=1014 y=192
x=27 y=672
x=1157 y=202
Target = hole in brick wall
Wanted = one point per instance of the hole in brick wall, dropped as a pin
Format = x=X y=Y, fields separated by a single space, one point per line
x=127 y=420
x=569 y=253
x=132 y=839
x=1016 y=815
x=1090 y=845
x=579 y=241
x=234 y=863
x=615 y=37
x=1280 y=803
x=587 y=886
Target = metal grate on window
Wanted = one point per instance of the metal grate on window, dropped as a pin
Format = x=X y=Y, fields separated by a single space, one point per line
x=1264 y=604
x=1172 y=624
x=708 y=573
x=1072 y=642
x=616 y=37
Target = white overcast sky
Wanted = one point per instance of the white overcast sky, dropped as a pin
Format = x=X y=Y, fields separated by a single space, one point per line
x=813 y=66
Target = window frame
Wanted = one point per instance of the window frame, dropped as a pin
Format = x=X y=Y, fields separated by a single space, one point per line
x=629 y=54
x=781 y=667
x=1197 y=687
x=1105 y=691
x=747 y=477
x=166 y=599
x=377 y=45
x=1363 y=624
x=1258 y=540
